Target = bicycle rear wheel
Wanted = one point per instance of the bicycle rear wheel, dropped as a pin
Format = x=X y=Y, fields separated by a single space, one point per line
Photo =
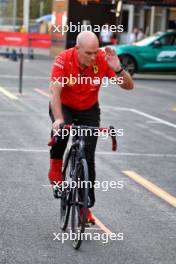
x=79 y=203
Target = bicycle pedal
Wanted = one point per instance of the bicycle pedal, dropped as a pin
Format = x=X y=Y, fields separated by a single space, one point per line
x=57 y=192
x=56 y=196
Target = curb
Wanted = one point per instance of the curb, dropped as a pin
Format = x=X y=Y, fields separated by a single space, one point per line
x=163 y=77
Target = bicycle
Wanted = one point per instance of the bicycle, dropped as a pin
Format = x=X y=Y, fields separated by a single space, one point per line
x=75 y=172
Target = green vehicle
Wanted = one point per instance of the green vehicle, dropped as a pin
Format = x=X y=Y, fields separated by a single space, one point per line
x=154 y=53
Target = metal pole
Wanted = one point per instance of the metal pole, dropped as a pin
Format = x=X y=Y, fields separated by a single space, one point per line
x=118 y=13
x=21 y=55
x=26 y=7
x=152 y=20
x=41 y=8
x=14 y=13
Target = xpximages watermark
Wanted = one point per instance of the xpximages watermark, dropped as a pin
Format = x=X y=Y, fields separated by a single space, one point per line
x=88 y=132
x=87 y=80
x=64 y=28
x=99 y=185
x=104 y=237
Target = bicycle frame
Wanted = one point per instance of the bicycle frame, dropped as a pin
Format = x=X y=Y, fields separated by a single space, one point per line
x=76 y=198
x=77 y=143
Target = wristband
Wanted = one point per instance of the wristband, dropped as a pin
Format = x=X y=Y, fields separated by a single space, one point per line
x=118 y=72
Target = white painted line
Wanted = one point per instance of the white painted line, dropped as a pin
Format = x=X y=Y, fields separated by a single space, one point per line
x=162 y=121
x=166 y=155
x=23 y=150
x=161 y=134
x=136 y=154
x=155 y=90
x=156 y=132
x=115 y=108
x=93 y=228
x=89 y=228
x=6 y=76
x=8 y=94
x=152 y=122
x=42 y=92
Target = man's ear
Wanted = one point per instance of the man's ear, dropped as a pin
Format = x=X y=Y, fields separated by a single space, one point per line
x=77 y=46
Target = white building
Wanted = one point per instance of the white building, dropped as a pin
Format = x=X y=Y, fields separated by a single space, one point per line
x=149 y=18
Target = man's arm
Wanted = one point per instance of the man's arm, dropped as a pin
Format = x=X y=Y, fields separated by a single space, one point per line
x=127 y=80
x=114 y=63
x=55 y=91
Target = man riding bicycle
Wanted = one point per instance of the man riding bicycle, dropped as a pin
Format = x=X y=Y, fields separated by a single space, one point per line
x=73 y=99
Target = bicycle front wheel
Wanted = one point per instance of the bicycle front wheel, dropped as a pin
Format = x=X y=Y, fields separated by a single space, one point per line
x=66 y=193
x=79 y=202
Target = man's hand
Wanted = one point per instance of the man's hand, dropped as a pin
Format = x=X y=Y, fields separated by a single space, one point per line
x=114 y=63
x=112 y=59
x=56 y=125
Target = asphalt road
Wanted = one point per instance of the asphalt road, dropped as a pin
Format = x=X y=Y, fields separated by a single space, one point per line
x=29 y=215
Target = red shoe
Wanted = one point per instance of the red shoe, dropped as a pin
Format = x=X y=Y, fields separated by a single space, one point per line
x=55 y=176
x=89 y=217
x=55 y=171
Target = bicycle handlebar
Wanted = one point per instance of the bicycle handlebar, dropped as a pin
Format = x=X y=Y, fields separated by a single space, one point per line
x=101 y=129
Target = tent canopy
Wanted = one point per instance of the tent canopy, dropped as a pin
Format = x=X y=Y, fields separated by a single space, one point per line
x=44 y=18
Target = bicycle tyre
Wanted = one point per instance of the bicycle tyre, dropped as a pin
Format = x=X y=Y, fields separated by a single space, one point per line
x=65 y=203
x=78 y=222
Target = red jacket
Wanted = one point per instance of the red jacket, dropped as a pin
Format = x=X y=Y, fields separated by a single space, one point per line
x=76 y=93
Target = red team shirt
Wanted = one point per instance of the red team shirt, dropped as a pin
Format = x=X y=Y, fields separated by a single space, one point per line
x=76 y=93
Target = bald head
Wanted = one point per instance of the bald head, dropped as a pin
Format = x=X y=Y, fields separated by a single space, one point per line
x=87 y=39
x=87 y=46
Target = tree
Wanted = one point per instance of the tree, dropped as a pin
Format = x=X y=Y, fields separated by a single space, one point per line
x=19 y=8
x=34 y=8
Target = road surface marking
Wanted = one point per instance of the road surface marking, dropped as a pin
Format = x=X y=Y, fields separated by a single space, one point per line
x=162 y=121
x=23 y=150
x=136 y=154
x=151 y=187
x=155 y=90
x=8 y=94
x=154 y=155
x=89 y=228
x=42 y=92
x=6 y=76
x=152 y=122
x=97 y=221
x=156 y=132
x=102 y=226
